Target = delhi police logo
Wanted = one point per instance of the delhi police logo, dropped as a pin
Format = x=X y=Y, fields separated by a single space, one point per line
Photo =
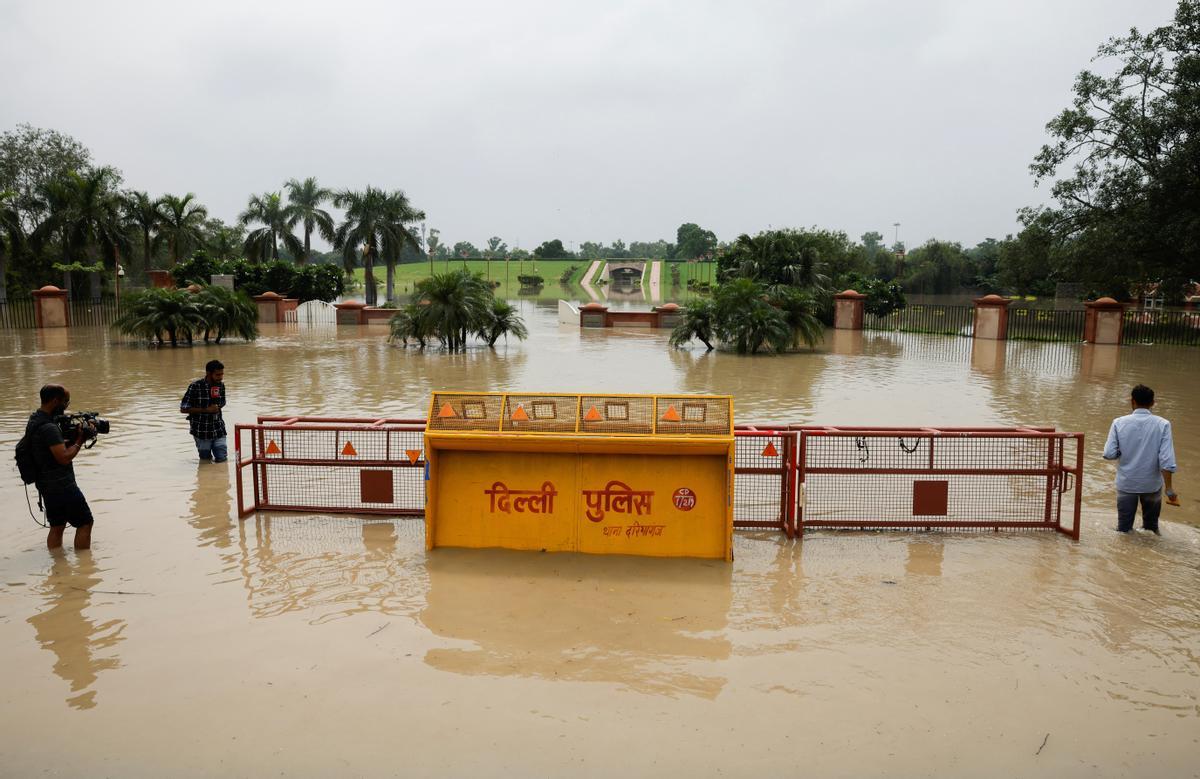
x=684 y=499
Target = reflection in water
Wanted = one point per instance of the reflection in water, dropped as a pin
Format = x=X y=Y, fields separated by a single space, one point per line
x=650 y=625
x=330 y=567
x=74 y=639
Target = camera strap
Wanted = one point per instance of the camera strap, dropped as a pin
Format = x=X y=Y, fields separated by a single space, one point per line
x=41 y=508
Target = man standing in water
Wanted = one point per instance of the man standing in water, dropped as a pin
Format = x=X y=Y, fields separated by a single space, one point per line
x=203 y=401
x=55 y=482
x=1141 y=442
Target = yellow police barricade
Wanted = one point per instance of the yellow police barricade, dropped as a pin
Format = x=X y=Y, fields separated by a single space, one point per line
x=603 y=474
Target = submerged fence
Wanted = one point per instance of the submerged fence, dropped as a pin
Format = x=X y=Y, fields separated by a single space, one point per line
x=1044 y=324
x=83 y=312
x=922 y=318
x=786 y=478
x=1162 y=327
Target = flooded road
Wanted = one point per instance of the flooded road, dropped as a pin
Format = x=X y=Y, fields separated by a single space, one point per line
x=190 y=643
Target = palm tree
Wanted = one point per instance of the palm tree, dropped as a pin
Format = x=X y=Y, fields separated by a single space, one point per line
x=452 y=305
x=86 y=214
x=304 y=206
x=502 y=320
x=12 y=237
x=151 y=312
x=407 y=323
x=225 y=311
x=799 y=309
x=143 y=213
x=745 y=318
x=268 y=210
x=698 y=322
x=400 y=213
x=182 y=224
x=366 y=226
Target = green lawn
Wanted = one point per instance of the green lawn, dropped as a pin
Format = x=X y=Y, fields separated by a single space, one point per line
x=410 y=273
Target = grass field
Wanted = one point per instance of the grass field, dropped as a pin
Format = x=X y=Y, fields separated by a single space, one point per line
x=551 y=270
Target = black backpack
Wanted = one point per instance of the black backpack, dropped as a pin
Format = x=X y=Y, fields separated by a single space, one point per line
x=25 y=462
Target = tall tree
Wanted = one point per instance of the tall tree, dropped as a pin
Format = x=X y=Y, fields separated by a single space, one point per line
x=1129 y=204
x=364 y=228
x=269 y=211
x=497 y=249
x=86 y=213
x=304 y=207
x=144 y=214
x=692 y=241
x=182 y=225
x=31 y=158
x=12 y=237
x=398 y=211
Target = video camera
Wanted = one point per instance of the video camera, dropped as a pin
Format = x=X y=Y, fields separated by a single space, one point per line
x=69 y=424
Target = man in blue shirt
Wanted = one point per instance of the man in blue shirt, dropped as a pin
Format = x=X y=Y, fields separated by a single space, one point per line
x=1141 y=443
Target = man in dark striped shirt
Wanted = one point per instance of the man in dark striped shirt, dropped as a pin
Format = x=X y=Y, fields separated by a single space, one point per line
x=203 y=401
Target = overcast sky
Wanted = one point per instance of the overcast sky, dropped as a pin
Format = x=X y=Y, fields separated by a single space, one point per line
x=581 y=121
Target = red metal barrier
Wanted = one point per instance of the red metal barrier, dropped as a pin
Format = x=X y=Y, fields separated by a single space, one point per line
x=788 y=478
x=332 y=464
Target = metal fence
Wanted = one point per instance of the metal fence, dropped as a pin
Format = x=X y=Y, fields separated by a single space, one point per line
x=787 y=478
x=83 y=312
x=922 y=318
x=1045 y=324
x=923 y=478
x=1174 y=327
x=17 y=314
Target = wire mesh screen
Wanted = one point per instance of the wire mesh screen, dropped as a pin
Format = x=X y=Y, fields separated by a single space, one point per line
x=616 y=414
x=339 y=489
x=539 y=413
x=466 y=411
x=695 y=415
x=917 y=479
x=760 y=488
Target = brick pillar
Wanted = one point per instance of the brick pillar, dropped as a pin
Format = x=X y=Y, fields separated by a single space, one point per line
x=848 y=310
x=1104 y=321
x=351 y=313
x=991 y=317
x=593 y=315
x=669 y=315
x=50 y=307
x=268 y=307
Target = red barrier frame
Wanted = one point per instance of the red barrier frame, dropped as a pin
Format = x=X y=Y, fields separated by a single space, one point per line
x=793 y=469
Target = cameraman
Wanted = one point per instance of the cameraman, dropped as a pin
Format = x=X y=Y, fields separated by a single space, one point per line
x=61 y=496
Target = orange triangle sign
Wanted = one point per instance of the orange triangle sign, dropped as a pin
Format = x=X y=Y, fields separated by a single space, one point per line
x=672 y=415
x=272 y=448
x=446 y=411
x=769 y=450
x=592 y=415
x=348 y=450
x=519 y=415
x=413 y=455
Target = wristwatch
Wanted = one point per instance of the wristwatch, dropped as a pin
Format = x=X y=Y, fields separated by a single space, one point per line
x=1171 y=494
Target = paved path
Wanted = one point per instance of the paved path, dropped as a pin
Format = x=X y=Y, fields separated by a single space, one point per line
x=655 y=280
x=588 y=276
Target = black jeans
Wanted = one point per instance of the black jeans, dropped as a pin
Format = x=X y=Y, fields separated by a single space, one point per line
x=1127 y=503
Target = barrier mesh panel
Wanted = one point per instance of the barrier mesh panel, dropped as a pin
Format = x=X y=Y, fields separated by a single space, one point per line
x=540 y=413
x=466 y=412
x=693 y=415
x=931 y=481
x=615 y=414
x=759 y=481
x=336 y=488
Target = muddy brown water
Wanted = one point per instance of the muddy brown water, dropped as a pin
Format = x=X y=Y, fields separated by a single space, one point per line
x=188 y=642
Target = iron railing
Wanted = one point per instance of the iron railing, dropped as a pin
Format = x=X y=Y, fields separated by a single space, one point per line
x=1045 y=324
x=1173 y=327
x=923 y=318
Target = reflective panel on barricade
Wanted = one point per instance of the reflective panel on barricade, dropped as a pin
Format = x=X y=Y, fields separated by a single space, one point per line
x=585 y=473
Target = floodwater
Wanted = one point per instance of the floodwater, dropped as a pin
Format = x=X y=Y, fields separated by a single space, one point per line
x=188 y=642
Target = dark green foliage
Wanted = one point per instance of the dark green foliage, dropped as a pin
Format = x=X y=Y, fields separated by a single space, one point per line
x=551 y=250
x=307 y=282
x=698 y=322
x=151 y=313
x=224 y=311
x=565 y=277
x=692 y=241
x=777 y=257
x=531 y=280
x=450 y=307
x=883 y=297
